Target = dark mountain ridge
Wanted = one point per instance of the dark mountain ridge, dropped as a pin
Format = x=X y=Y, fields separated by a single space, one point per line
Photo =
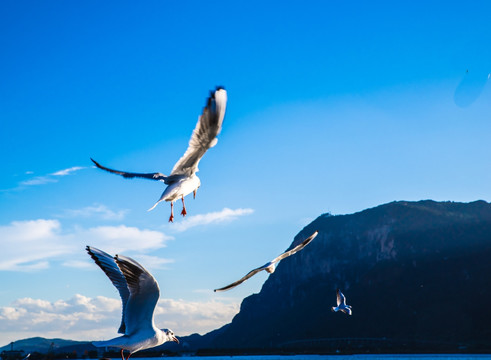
x=417 y=274
x=43 y=345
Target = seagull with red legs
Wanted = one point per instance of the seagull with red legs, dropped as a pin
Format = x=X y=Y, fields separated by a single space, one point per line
x=139 y=293
x=183 y=179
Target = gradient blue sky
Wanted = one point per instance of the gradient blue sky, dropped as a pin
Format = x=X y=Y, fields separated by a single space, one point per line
x=333 y=107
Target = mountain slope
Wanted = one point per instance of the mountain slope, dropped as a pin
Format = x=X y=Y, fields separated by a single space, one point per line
x=42 y=345
x=417 y=274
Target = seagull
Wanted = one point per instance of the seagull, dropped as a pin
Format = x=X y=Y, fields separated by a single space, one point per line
x=341 y=301
x=183 y=179
x=271 y=266
x=139 y=293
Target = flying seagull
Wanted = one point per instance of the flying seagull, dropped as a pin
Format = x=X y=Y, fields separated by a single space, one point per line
x=271 y=266
x=139 y=293
x=341 y=301
x=183 y=179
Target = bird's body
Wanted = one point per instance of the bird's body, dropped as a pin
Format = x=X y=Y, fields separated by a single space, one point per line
x=139 y=293
x=178 y=189
x=341 y=303
x=270 y=267
x=133 y=343
x=183 y=179
x=181 y=188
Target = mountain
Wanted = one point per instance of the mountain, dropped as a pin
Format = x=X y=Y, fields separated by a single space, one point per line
x=417 y=274
x=42 y=345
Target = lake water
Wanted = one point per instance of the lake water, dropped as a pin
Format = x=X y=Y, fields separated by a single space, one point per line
x=338 y=357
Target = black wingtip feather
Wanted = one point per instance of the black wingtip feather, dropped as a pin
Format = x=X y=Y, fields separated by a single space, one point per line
x=96 y=163
x=130 y=271
x=96 y=259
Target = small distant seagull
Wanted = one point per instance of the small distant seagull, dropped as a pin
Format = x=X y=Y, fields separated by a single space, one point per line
x=271 y=266
x=341 y=301
x=139 y=293
x=183 y=179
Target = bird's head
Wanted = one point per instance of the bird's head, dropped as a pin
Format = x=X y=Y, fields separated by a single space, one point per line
x=170 y=335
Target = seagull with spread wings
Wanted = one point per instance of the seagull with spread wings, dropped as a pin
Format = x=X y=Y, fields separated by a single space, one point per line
x=139 y=293
x=270 y=267
x=341 y=301
x=183 y=179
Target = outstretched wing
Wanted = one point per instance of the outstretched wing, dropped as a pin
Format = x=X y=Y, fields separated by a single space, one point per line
x=144 y=294
x=130 y=175
x=296 y=248
x=340 y=298
x=282 y=256
x=238 y=282
x=108 y=265
x=204 y=135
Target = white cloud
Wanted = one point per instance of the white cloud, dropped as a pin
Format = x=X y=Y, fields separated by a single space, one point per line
x=26 y=245
x=78 y=264
x=118 y=239
x=153 y=262
x=210 y=218
x=84 y=318
x=187 y=317
x=50 y=178
x=31 y=245
x=65 y=172
x=97 y=210
x=38 y=180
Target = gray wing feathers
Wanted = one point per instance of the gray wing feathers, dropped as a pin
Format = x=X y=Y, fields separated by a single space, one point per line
x=296 y=248
x=129 y=175
x=238 y=282
x=204 y=135
x=340 y=299
x=282 y=256
x=108 y=265
x=144 y=294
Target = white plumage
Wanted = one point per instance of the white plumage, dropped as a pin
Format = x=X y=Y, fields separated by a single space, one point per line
x=183 y=179
x=139 y=293
x=341 y=302
x=270 y=267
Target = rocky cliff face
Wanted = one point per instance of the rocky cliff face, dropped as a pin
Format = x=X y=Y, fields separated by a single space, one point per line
x=418 y=274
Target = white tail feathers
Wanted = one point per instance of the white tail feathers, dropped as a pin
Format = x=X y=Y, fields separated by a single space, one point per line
x=113 y=342
x=153 y=207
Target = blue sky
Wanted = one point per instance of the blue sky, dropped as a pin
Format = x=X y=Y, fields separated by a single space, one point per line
x=332 y=107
